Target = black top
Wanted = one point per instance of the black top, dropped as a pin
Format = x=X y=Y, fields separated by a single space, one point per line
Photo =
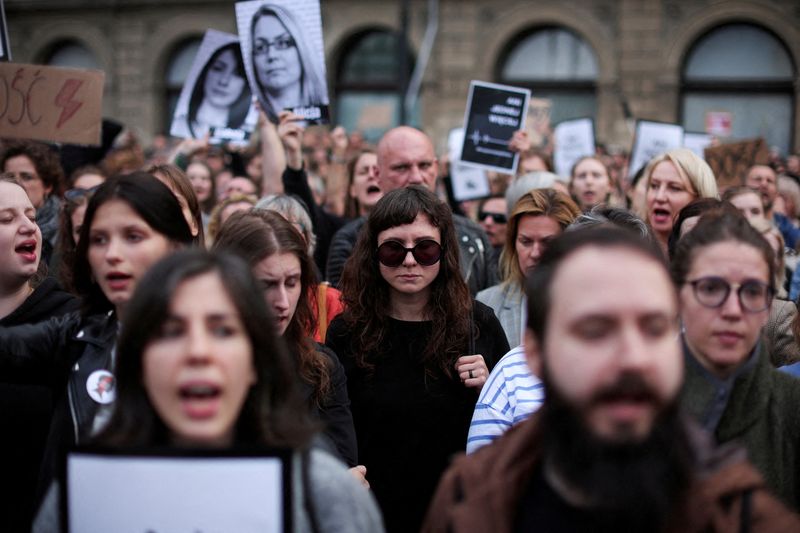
x=338 y=434
x=25 y=412
x=409 y=425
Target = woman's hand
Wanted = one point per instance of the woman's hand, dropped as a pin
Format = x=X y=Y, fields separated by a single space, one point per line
x=360 y=473
x=290 y=132
x=519 y=142
x=472 y=370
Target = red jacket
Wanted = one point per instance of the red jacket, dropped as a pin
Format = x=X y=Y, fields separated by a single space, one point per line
x=479 y=493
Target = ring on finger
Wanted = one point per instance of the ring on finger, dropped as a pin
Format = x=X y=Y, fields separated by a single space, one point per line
x=470 y=375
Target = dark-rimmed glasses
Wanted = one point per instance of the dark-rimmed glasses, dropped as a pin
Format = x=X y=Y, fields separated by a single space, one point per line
x=426 y=252
x=498 y=218
x=712 y=292
x=262 y=46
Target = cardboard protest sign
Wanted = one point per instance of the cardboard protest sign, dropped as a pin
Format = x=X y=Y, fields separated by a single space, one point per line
x=494 y=113
x=159 y=494
x=284 y=56
x=730 y=162
x=51 y=103
x=573 y=139
x=216 y=99
x=651 y=139
x=697 y=142
x=469 y=182
x=5 y=49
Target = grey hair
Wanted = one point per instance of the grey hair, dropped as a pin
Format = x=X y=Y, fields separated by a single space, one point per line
x=602 y=214
x=292 y=210
x=538 y=179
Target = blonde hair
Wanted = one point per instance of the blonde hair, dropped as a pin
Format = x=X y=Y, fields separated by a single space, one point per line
x=538 y=202
x=691 y=168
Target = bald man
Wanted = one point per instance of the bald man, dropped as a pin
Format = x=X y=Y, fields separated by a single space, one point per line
x=406 y=157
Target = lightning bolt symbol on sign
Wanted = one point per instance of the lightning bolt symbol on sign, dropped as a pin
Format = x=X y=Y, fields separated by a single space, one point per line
x=64 y=100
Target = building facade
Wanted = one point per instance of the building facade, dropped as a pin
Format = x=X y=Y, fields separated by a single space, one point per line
x=729 y=66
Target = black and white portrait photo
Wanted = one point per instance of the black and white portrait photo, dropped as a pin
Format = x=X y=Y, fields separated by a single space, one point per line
x=216 y=98
x=284 y=58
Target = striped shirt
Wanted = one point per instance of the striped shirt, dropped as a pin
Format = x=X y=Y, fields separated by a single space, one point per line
x=510 y=395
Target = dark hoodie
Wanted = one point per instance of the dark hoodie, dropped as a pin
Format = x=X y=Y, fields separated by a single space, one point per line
x=25 y=412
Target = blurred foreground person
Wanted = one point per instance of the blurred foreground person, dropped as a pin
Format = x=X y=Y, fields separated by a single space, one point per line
x=608 y=450
x=198 y=369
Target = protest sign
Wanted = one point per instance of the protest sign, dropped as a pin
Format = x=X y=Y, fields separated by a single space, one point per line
x=51 y=103
x=216 y=99
x=573 y=139
x=159 y=494
x=539 y=131
x=730 y=162
x=284 y=57
x=469 y=182
x=651 y=139
x=719 y=123
x=494 y=113
x=697 y=142
x=5 y=49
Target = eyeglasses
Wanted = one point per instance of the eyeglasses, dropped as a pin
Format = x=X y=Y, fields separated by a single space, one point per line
x=281 y=43
x=79 y=195
x=426 y=253
x=754 y=296
x=498 y=218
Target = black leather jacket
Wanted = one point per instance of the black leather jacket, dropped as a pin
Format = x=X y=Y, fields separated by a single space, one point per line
x=475 y=253
x=63 y=352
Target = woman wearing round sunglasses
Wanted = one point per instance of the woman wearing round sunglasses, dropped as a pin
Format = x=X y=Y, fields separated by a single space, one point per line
x=415 y=347
x=724 y=271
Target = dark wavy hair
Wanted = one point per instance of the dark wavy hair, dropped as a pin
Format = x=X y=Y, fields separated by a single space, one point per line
x=181 y=185
x=272 y=413
x=366 y=293
x=257 y=234
x=238 y=111
x=151 y=200
x=44 y=158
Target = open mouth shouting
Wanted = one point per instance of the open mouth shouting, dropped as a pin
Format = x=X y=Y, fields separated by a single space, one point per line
x=200 y=399
x=27 y=250
x=118 y=281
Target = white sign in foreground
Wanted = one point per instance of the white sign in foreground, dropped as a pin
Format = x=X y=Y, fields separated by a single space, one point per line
x=697 y=142
x=652 y=139
x=149 y=494
x=573 y=140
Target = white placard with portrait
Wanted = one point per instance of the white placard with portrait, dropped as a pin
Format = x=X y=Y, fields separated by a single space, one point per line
x=285 y=57
x=216 y=99
x=468 y=181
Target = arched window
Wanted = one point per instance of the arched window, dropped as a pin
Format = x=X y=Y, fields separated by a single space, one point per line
x=556 y=64
x=367 y=84
x=71 y=54
x=178 y=65
x=737 y=83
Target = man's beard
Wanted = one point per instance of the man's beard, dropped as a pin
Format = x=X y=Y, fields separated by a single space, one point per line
x=631 y=485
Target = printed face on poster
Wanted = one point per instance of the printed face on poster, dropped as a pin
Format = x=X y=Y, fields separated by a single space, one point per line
x=697 y=142
x=284 y=56
x=216 y=99
x=651 y=139
x=136 y=493
x=469 y=182
x=494 y=113
x=5 y=49
x=573 y=140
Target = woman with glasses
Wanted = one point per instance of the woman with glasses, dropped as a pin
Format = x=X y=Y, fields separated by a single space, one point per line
x=288 y=72
x=415 y=347
x=537 y=217
x=724 y=272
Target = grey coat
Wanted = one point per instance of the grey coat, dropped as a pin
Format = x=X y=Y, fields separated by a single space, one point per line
x=505 y=300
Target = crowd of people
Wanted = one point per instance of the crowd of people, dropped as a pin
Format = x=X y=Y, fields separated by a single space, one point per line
x=612 y=354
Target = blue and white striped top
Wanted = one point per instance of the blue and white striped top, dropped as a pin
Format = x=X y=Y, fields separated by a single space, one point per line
x=509 y=396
